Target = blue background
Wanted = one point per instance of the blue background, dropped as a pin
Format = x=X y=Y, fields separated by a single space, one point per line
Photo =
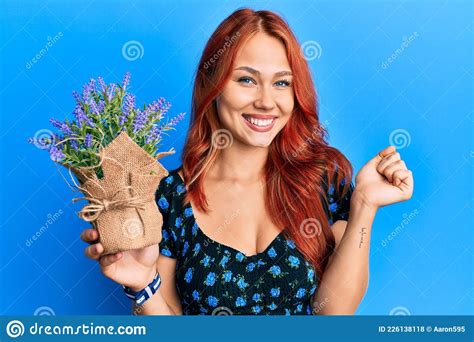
x=426 y=91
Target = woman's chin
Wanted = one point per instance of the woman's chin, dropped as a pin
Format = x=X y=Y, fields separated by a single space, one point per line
x=261 y=142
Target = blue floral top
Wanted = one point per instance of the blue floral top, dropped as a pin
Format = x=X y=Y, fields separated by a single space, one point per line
x=212 y=278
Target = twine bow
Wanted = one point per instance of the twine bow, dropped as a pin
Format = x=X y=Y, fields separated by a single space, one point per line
x=97 y=206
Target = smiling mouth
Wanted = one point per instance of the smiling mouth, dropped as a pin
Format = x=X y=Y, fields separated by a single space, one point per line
x=259 y=122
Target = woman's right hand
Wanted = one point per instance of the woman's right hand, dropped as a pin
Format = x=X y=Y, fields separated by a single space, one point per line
x=134 y=268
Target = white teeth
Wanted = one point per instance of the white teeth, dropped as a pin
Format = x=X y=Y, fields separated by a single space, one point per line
x=260 y=123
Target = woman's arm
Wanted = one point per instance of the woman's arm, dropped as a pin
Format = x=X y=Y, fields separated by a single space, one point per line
x=345 y=280
x=165 y=301
x=384 y=180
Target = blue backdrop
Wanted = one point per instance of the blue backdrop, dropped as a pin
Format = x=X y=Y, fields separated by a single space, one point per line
x=386 y=72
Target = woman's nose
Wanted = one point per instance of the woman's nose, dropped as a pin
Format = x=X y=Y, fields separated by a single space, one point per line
x=264 y=99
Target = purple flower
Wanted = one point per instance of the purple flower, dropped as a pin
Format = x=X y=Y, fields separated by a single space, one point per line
x=103 y=87
x=174 y=121
x=129 y=104
x=159 y=106
x=126 y=81
x=74 y=145
x=94 y=107
x=101 y=105
x=88 y=141
x=62 y=126
x=163 y=106
x=82 y=117
x=56 y=154
x=110 y=95
x=153 y=136
x=87 y=89
x=77 y=97
x=141 y=118
x=42 y=143
x=160 y=131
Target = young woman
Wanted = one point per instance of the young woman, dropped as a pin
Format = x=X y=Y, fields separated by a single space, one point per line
x=262 y=217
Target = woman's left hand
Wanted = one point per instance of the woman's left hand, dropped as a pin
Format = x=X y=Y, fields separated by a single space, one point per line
x=384 y=180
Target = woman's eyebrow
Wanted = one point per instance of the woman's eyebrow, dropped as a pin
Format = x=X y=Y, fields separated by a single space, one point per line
x=256 y=72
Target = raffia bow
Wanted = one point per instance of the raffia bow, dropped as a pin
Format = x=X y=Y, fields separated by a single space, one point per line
x=93 y=210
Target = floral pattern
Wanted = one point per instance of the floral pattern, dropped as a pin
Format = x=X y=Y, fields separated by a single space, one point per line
x=212 y=277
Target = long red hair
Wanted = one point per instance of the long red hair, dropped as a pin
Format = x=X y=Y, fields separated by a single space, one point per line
x=299 y=156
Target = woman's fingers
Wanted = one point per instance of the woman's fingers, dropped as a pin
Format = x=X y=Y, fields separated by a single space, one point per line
x=399 y=176
x=387 y=160
x=108 y=260
x=89 y=235
x=390 y=169
x=94 y=251
x=404 y=180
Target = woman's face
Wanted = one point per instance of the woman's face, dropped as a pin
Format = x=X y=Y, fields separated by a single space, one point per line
x=258 y=99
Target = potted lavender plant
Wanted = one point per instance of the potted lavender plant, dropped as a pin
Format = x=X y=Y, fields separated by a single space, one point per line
x=111 y=146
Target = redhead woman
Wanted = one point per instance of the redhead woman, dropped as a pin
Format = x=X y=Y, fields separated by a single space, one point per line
x=262 y=217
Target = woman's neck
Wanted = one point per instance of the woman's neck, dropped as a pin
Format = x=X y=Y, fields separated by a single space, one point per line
x=240 y=163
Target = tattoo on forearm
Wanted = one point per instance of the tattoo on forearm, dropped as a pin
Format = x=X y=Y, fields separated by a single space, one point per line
x=362 y=233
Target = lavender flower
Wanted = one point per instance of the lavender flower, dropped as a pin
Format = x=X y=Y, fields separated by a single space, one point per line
x=93 y=106
x=103 y=87
x=174 y=121
x=101 y=112
x=152 y=137
x=127 y=107
x=56 y=154
x=77 y=97
x=42 y=143
x=158 y=134
x=88 y=141
x=62 y=126
x=101 y=105
x=56 y=123
x=87 y=90
x=126 y=81
x=141 y=118
x=163 y=106
x=110 y=95
x=74 y=145
x=81 y=117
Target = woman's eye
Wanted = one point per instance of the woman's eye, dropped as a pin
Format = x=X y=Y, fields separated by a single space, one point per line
x=283 y=83
x=246 y=80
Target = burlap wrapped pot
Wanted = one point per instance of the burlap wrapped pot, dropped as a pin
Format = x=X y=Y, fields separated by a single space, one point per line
x=122 y=204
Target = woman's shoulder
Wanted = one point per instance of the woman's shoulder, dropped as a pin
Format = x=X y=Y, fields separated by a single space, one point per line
x=171 y=187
